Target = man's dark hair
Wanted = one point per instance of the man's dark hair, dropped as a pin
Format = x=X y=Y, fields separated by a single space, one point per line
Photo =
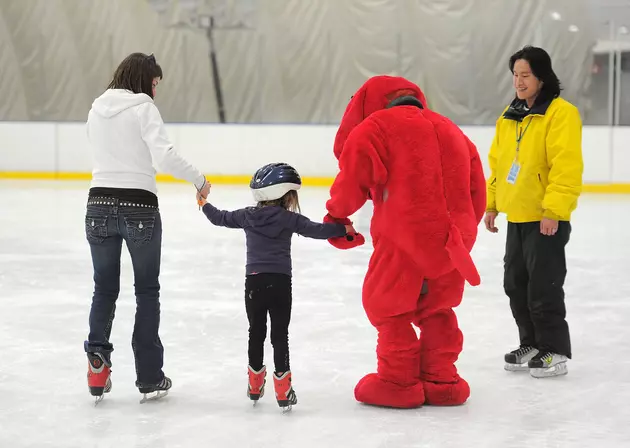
x=136 y=73
x=540 y=63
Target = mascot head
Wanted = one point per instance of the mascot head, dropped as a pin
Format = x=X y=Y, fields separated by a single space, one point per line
x=379 y=92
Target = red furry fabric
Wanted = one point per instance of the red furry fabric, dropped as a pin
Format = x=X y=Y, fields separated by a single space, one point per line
x=348 y=241
x=425 y=179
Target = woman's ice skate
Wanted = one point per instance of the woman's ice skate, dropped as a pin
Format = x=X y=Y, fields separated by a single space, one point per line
x=152 y=392
x=98 y=376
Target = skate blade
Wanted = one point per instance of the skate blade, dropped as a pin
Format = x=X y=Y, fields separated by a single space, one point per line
x=98 y=399
x=287 y=405
x=255 y=397
x=516 y=367
x=153 y=396
x=557 y=370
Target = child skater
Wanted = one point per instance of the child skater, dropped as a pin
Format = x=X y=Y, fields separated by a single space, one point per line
x=269 y=227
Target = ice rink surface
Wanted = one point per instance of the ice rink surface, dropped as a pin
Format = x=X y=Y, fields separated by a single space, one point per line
x=45 y=294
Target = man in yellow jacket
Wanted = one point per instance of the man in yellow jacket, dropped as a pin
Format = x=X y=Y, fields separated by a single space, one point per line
x=536 y=178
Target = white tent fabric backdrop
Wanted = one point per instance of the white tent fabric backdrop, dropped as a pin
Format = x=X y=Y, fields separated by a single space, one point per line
x=300 y=63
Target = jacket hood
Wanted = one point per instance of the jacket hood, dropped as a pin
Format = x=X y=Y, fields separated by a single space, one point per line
x=114 y=101
x=374 y=95
x=267 y=220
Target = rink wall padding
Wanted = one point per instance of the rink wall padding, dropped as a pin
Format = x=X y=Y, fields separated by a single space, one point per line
x=230 y=154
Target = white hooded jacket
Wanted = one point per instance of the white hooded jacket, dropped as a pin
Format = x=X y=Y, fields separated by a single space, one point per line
x=127 y=135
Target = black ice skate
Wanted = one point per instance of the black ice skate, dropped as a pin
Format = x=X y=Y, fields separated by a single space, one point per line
x=547 y=364
x=516 y=360
x=152 y=392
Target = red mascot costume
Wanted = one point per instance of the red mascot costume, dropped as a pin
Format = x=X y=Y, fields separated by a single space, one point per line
x=426 y=181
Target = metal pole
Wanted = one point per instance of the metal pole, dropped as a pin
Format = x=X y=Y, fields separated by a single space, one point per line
x=611 y=105
x=329 y=75
x=261 y=76
x=617 y=80
x=110 y=48
x=215 y=72
x=611 y=78
x=186 y=78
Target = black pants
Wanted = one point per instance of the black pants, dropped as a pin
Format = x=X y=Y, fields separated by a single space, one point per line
x=535 y=269
x=268 y=293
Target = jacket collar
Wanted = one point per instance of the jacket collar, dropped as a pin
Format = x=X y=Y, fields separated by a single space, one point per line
x=518 y=109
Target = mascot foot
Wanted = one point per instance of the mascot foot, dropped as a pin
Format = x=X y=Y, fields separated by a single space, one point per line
x=375 y=391
x=446 y=394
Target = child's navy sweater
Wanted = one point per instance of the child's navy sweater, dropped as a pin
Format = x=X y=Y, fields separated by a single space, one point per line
x=268 y=231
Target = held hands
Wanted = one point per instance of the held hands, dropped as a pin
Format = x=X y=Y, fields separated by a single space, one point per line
x=201 y=201
x=352 y=238
x=205 y=190
x=202 y=194
x=488 y=220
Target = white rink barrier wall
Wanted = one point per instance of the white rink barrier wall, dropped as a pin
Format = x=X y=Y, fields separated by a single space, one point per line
x=231 y=153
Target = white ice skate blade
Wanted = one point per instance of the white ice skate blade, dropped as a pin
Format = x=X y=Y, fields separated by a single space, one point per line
x=153 y=396
x=98 y=399
x=287 y=409
x=516 y=367
x=557 y=370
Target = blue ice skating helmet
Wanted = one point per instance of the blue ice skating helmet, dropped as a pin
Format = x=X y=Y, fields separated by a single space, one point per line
x=273 y=181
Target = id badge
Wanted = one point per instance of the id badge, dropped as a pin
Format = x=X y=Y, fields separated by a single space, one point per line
x=513 y=174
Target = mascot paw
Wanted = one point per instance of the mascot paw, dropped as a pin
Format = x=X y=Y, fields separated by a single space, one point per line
x=375 y=391
x=446 y=394
x=344 y=242
x=348 y=241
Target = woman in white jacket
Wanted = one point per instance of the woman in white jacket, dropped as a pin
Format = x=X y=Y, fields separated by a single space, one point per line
x=127 y=136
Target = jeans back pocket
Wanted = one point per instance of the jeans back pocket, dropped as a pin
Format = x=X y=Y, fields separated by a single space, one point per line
x=140 y=229
x=96 y=228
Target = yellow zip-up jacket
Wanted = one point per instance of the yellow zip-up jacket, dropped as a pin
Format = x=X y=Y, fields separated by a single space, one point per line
x=549 y=180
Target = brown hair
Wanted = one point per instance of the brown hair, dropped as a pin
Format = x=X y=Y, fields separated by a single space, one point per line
x=136 y=73
x=289 y=202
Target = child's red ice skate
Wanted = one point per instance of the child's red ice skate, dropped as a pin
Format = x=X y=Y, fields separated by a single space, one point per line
x=284 y=391
x=98 y=376
x=256 y=384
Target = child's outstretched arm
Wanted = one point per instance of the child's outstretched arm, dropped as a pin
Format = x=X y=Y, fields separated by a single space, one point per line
x=305 y=227
x=231 y=220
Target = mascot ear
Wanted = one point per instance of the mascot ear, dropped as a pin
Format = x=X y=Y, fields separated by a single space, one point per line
x=352 y=117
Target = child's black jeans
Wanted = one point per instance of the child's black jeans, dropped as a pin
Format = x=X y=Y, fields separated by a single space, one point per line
x=268 y=293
